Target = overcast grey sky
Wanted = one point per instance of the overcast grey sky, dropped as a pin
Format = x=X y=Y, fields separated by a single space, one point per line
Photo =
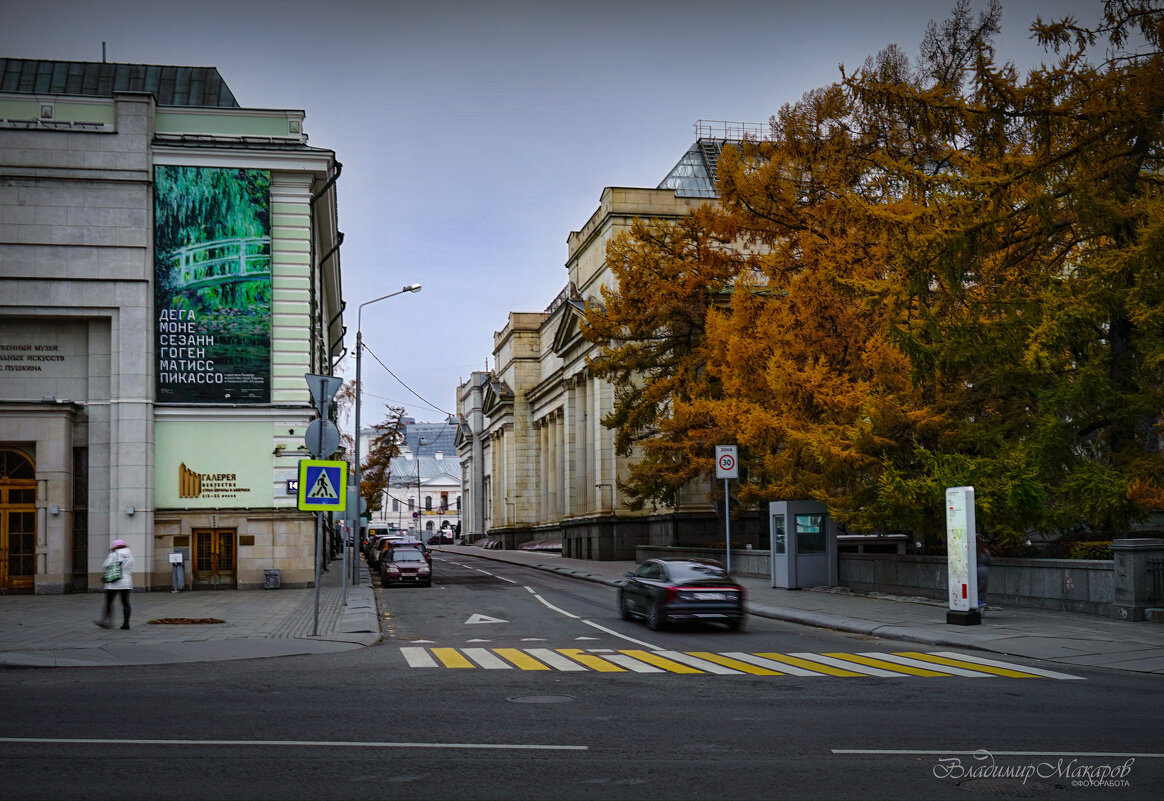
x=476 y=135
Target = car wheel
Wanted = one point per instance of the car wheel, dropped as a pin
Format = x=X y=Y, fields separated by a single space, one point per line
x=736 y=624
x=623 y=610
x=655 y=619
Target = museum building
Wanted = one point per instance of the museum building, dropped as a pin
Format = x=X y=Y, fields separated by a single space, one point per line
x=169 y=273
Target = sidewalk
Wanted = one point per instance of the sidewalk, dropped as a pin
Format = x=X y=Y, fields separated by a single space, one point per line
x=58 y=630
x=1067 y=638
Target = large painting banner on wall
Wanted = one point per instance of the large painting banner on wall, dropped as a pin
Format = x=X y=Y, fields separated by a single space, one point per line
x=212 y=258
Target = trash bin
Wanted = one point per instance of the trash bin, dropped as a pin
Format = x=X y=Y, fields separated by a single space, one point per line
x=270 y=579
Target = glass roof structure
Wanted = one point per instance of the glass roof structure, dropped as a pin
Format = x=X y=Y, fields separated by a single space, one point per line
x=694 y=175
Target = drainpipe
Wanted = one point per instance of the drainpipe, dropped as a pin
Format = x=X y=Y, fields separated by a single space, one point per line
x=314 y=304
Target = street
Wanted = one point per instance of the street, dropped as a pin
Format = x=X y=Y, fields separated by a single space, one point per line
x=471 y=696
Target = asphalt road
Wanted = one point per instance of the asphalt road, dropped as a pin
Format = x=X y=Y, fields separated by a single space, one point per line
x=382 y=722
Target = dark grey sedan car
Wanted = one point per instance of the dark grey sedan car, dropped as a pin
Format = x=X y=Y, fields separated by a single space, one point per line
x=666 y=590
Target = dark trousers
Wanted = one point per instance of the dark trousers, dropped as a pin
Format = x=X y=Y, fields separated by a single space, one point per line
x=108 y=616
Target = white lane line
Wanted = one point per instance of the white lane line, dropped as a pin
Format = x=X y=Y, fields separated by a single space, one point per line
x=696 y=662
x=418 y=657
x=1008 y=665
x=844 y=664
x=556 y=609
x=613 y=633
x=484 y=658
x=630 y=663
x=983 y=751
x=554 y=660
x=771 y=664
x=934 y=666
x=296 y=743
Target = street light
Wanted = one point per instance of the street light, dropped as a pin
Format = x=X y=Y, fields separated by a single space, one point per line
x=359 y=351
x=420 y=442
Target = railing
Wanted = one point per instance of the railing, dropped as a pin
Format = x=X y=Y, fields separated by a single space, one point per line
x=560 y=299
x=731 y=131
x=1156 y=581
x=223 y=261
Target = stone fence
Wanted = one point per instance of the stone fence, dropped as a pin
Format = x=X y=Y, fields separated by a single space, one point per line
x=1121 y=588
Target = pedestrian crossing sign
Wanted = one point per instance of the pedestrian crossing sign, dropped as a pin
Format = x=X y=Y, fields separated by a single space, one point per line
x=322 y=484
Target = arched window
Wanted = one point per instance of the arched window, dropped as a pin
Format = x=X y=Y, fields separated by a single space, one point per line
x=428 y=503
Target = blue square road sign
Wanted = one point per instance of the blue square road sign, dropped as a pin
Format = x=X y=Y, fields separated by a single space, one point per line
x=322 y=485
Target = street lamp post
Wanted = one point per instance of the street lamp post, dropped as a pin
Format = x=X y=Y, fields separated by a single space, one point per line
x=359 y=350
x=420 y=441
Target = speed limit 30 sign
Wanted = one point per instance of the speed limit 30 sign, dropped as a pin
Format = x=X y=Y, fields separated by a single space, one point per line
x=727 y=465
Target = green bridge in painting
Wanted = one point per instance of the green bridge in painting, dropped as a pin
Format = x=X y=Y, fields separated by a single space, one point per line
x=223 y=261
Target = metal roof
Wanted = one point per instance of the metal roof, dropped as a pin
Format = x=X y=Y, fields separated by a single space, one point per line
x=402 y=470
x=170 y=85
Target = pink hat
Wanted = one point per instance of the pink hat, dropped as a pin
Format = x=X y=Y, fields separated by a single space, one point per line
x=119 y=543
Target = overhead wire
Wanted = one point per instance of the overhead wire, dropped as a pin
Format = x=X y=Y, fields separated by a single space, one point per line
x=422 y=399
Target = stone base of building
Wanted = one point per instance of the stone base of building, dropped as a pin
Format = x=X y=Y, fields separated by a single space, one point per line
x=233 y=549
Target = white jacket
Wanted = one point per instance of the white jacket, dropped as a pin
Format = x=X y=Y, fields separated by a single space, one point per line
x=126 y=558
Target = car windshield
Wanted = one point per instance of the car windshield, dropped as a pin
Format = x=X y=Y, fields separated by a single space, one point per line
x=683 y=571
x=407 y=555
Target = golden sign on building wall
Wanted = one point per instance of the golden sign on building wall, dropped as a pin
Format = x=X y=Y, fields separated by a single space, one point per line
x=189 y=482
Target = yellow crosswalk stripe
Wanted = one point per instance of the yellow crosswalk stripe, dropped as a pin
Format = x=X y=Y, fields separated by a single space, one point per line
x=894 y=666
x=591 y=661
x=814 y=666
x=727 y=661
x=520 y=659
x=452 y=658
x=604 y=660
x=663 y=662
x=941 y=660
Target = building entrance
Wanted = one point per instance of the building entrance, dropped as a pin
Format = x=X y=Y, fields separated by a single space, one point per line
x=214 y=559
x=17 y=522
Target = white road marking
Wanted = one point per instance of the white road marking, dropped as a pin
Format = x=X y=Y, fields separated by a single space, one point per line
x=476 y=618
x=771 y=664
x=844 y=664
x=555 y=608
x=934 y=666
x=554 y=660
x=630 y=663
x=696 y=662
x=646 y=645
x=485 y=659
x=418 y=657
x=983 y=751
x=296 y=743
x=1008 y=665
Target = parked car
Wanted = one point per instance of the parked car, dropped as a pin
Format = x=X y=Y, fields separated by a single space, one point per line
x=392 y=542
x=666 y=590
x=441 y=538
x=405 y=566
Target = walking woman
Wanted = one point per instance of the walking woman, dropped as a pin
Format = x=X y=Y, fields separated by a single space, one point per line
x=118 y=578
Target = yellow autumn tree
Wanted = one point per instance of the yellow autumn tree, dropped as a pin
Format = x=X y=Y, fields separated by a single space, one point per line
x=946 y=273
